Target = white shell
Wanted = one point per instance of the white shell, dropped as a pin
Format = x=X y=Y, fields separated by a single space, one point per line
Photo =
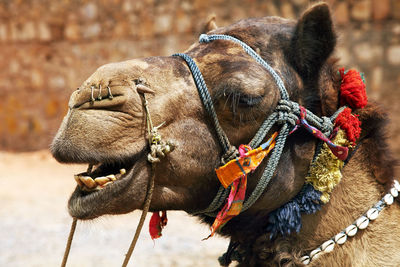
x=305 y=260
x=362 y=222
x=315 y=253
x=340 y=238
x=396 y=185
x=351 y=230
x=394 y=192
x=328 y=246
x=388 y=198
x=372 y=214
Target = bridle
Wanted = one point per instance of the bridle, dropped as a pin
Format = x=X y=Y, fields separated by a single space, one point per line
x=286 y=114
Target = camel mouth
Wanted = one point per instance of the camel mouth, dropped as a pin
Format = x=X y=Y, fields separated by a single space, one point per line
x=103 y=175
x=105 y=182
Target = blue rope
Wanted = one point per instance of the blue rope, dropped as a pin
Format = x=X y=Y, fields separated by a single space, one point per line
x=206 y=99
x=204 y=38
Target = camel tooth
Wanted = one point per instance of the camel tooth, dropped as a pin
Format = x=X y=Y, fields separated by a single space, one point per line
x=78 y=181
x=122 y=171
x=111 y=177
x=87 y=189
x=104 y=185
x=101 y=180
x=88 y=181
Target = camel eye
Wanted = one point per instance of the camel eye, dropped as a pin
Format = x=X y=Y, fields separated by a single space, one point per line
x=249 y=101
x=239 y=100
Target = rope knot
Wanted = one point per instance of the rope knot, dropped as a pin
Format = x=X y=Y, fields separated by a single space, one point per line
x=288 y=112
x=204 y=38
x=158 y=148
x=229 y=155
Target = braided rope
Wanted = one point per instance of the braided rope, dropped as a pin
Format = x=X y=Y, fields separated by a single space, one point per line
x=270 y=169
x=217 y=202
x=146 y=207
x=204 y=38
x=206 y=99
x=69 y=242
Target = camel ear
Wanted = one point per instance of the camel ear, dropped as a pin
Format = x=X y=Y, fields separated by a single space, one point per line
x=313 y=41
x=210 y=25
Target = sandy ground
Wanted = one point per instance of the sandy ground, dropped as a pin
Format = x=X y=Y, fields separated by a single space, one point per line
x=34 y=224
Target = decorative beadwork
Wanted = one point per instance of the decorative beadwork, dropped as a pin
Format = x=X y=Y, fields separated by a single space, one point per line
x=351 y=230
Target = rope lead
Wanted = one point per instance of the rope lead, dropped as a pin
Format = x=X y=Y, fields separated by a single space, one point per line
x=158 y=148
x=69 y=242
x=146 y=208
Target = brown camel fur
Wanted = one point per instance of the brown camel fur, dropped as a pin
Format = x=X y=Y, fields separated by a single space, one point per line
x=113 y=133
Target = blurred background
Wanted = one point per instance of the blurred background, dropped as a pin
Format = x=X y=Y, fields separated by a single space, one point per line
x=48 y=48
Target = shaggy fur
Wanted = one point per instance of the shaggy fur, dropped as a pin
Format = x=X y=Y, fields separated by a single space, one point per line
x=244 y=95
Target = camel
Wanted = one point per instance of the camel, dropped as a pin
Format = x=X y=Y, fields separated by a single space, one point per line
x=106 y=127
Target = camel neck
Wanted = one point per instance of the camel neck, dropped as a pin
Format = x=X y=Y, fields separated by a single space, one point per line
x=336 y=222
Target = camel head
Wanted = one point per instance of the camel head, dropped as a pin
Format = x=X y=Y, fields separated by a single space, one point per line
x=110 y=132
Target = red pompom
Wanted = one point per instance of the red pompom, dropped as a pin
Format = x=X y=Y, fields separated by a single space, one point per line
x=352 y=89
x=350 y=124
x=157 y=223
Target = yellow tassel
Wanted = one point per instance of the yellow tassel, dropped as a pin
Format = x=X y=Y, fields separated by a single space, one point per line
x=325 y=172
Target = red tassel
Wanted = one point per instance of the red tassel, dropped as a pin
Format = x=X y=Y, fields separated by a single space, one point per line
x=352 y=89
x=350 y=124
x=157 y=223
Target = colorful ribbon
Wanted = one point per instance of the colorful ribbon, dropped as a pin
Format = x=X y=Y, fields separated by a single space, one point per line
x=339 y=151
x=235 y=173
x=247 y=162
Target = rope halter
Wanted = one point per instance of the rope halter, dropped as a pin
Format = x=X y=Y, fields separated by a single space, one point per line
x=286 y=114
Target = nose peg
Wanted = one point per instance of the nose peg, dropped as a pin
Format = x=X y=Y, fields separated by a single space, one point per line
x=99 y=96
x=143 y=89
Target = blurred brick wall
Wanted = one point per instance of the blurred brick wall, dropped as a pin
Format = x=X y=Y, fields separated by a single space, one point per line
x=48 y=48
